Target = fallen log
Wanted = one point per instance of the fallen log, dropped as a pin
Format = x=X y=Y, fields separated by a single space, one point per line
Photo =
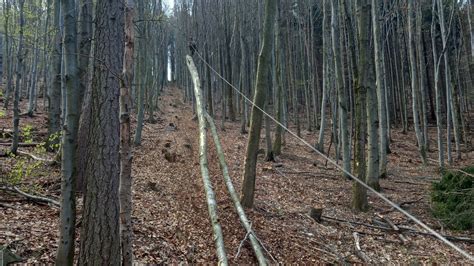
x=394 y=227
x=21 y=144
x=34 y=198
x=210 y=196
x=406 y=229
x=233 y=195
x=34 y=157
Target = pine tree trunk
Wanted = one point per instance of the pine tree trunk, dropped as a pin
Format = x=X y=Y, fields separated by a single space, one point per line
x=100 y=235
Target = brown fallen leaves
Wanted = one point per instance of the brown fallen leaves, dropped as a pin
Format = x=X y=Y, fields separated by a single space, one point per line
x=170 y=217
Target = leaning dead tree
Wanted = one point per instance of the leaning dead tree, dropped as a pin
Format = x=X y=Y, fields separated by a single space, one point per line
x=210 y=196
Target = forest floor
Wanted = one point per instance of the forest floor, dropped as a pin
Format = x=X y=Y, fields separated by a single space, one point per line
x=170 y=216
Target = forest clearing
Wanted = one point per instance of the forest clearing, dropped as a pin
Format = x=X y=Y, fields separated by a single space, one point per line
x=235 y=132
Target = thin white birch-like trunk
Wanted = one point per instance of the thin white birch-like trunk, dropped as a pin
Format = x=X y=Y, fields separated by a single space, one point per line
x=210 y=196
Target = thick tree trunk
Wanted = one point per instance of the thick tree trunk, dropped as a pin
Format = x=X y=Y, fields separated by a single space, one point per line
x=100 y=235
x=264 y=58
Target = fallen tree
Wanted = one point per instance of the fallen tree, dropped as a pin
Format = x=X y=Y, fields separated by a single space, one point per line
x=256 y=245
x=34 y=198
x=210 y=196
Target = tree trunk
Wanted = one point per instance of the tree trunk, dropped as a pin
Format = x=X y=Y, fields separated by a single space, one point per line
x=264 y=58
x=85 y=41
x=19 y=80
x=210 y=196
x=33 y=75
x=327 y=55
x=379 y=71
x=54 y=94
x=438 y=94
x=368 y=82
x=141 y=71
x=9 y=60
x=125 y=188
x=414 y=80
x=67 y=217
x=279 y=94
x=359 y=192
x=341 y=92
x=100 y=235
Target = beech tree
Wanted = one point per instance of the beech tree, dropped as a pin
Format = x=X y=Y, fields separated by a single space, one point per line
x=19 y=80
x=65 y=253
x=261 y=83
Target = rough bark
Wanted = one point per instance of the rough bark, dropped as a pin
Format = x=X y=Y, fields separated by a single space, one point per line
x=100 y=235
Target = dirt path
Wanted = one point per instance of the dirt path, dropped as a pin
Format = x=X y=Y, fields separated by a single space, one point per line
x=170 y=216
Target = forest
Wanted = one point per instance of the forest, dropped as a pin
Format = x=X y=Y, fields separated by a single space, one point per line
x=236 y=132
